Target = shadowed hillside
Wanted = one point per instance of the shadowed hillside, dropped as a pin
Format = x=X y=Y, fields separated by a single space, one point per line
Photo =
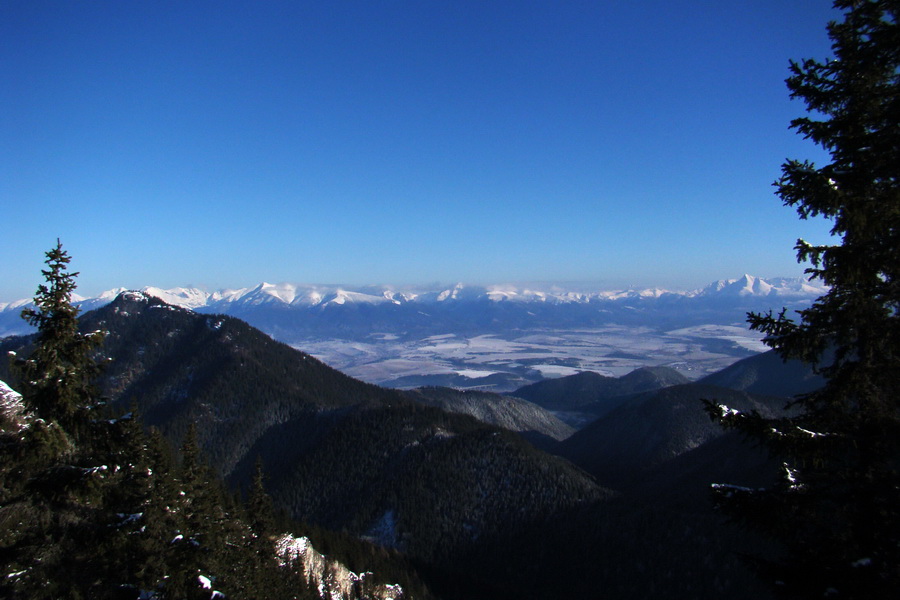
x=480 y=511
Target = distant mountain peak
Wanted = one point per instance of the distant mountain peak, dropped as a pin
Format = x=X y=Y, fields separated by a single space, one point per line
x=312 y=294
x=523 y=303
x=750 y=285
x=451 y=293
x=11 y=407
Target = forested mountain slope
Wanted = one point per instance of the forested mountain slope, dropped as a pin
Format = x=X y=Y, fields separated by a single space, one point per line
x=768 y=374
x=508 y=412
x=337 y=452
x=234 y=382
x=651 y=429
x=481 y=511
x=592 y=392
x=109 y=512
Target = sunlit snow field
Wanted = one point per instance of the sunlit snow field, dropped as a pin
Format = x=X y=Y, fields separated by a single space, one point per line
x=451 y=359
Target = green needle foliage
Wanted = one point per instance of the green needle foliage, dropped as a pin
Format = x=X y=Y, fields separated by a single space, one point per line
x=836 y=509
x=56 y=378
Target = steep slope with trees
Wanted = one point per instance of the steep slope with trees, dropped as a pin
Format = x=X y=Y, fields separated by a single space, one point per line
x=90 y=507
x=234 y=382
x=338 y=452
x=528 y=419
x=768 y=374
x=651 y=429
x=422 y=480
x=581 y=398
x=479 y=510
x=592 y=392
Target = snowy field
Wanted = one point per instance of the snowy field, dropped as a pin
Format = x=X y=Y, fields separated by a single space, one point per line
x=503 y=363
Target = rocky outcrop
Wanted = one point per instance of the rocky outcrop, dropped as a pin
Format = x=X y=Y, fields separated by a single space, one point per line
x=332 y=579
x=11 y=409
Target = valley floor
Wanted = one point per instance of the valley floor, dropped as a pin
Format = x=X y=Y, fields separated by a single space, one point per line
x=503 y=363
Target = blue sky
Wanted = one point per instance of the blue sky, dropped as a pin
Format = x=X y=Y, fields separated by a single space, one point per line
x=221 y=144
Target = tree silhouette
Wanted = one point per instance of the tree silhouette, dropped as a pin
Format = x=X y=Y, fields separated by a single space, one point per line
x=836 y=508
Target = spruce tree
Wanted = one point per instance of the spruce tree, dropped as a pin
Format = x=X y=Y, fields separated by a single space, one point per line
x=260 y=510
x=71 y=477
x=836 y=508
x=57 y=378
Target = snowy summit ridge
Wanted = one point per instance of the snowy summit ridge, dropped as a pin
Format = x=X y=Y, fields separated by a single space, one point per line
x=323 y=299
x=309 y=295
x=748 y=285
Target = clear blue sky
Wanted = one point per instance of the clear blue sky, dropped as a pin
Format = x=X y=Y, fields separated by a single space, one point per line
x=226 y=143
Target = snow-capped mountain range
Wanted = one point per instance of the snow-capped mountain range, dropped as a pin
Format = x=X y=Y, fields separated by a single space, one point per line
x=492 y=337
x=307 y=295
x=267 y=305
x=317 y=295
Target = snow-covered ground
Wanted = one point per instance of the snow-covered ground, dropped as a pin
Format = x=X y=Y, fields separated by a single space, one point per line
x=530 y=356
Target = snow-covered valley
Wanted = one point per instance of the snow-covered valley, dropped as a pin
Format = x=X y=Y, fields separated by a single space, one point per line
x=500 y=363
x=495 y=338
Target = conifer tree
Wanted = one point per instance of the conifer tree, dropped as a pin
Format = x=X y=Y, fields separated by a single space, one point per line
x=56 y=378
x=73 y=477
x=836 y=508
x=202 y=505
x=260 y=510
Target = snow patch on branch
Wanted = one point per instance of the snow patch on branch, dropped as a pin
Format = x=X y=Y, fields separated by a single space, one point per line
x=731 y=487
x=791 y=476
x=811 y=434
x=729 y=490
x=728 y=412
